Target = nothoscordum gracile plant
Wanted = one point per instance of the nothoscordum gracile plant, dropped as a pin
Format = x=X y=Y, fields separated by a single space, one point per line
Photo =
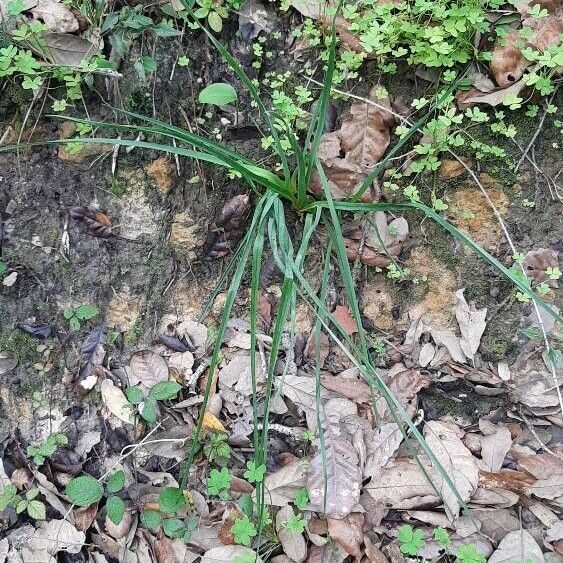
x=268 y=230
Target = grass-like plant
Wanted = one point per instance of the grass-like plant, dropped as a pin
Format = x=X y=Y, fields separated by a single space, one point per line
x=268 y=229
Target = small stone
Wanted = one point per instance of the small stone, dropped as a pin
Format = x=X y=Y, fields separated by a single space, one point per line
x=163 y=173
x=451 y=169
x=123 y=310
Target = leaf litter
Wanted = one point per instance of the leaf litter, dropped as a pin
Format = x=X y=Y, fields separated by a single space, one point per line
x=358 y=468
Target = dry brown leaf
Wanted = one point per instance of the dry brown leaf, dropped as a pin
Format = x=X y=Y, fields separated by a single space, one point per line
x=471 y=323
x=458 y=462
x=229 y=553
x=115 y=401
x=517 y=546
x=83 y=517
x=507 y=62
x=56 y=16
x=300 y=390
x=373 y=553
x=362 y=139
x=329 y=553
x=468 y=98
x=282 y=486
x=406 y=383
x=293 y=544
x=403 y=486
x=147 y=368
x=338 y=475
x=507 y=479
x=228 y=228
x=494 y=497
x=66 y=50
x=345 y=320
x=496 y=522
x=550 y=488
x=381 y=444
x=494 y=448
x=355 y=389
x=69 y=539
x=541 y=466
x=536 y=262
x=348 y=532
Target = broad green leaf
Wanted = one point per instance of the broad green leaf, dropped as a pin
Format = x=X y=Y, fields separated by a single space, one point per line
x=151 y=519
x=36 y=510
x=164 y=390
x=215 y=22
x=218 y=94
x=115 y=508
x=134 y=395
x=85 y=312
x=173 y=528
x=115 y=482
x=84 y=490
x=148 y=411
x=171 y=499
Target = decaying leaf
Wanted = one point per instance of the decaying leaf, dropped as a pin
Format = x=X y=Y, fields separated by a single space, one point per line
x=517 y=546
x=56 y=16
x=334 y=482
x=68 y=538
x=229 y=553
x=377 y=240
x=115 y=401
x=67 y=50
x=550 y=488
x=541 y=466
x=381 y=444
x=228 y=228
x=293 y=543
x=389 y=486
x=93 y=354
x=494 y=448
x=471 y=323
x=147 y=368
x=95 y=221
x=457 y=461
x=468 y=98
x=283 y=485
x=349 y=154
x=348 y=532
x=352 y=388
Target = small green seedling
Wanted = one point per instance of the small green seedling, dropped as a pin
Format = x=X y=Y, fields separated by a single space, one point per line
x=171 y=516
x=75 y=317
x=85 y=491
x=301 y=499
x=27 y=502
x=38 y=454
x=469 y=554
x=243 y=530
x=254 y=473
x=442 y=537
x=296 y=524
x=216 y=448
x=146 y=405
x=219 y=483
x=411 y=540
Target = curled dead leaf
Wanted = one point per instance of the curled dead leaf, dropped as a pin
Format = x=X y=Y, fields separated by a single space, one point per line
x=95 y=221
x=228 y=228
x=349 y=154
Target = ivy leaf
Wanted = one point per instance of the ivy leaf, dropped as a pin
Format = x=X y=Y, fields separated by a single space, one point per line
x=164 y=390
x=218 y=94
x=171 y=499
x=115 y=508
x=84 y=490
x=115 y=482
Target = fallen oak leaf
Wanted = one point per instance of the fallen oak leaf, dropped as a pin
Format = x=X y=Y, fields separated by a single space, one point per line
x=345 y=320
